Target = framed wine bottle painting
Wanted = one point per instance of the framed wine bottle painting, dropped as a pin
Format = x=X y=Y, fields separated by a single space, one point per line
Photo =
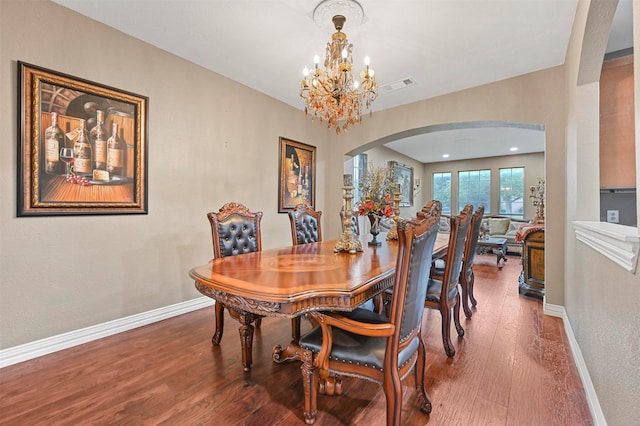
x=82 y=146
x=297 y=175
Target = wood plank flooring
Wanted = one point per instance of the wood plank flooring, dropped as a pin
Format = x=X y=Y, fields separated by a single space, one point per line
x=513 y=367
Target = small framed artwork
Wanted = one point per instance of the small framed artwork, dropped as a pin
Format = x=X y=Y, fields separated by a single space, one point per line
x=297 y=175
x=82 y=146
x=403 y=175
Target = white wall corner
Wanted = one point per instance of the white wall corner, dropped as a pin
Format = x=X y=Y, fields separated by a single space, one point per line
x=619 y=243
x=59 y=342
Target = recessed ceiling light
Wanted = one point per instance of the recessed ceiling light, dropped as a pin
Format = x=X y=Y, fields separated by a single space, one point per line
x=445 y=155
x=515 y=148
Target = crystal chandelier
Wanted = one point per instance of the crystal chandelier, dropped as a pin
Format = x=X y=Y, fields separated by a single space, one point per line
x=332 y=94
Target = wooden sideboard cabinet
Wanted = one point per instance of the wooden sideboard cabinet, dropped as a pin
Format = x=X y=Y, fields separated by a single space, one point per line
x=531 y=279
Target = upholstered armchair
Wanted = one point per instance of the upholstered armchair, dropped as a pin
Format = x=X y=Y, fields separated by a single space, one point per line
x=443 y=292
x=234 y=231
x=305 y=225
x=373 y=346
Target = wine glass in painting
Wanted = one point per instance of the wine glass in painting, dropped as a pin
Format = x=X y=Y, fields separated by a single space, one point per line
x=66 y=155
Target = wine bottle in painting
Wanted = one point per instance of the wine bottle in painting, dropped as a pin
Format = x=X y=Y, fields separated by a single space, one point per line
x=115 y=152
x=98 y=137
x=53 y=141
x=82 y=151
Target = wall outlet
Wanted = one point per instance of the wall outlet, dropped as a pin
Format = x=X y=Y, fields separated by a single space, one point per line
x=613 y=216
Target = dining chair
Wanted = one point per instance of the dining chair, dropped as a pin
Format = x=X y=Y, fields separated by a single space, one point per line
x=234 y=231
x=442 y=292
x=373 y=346
x=467 y=277
x=305 y=225
x=355 y=223
x=431 y=208
x=434 y=208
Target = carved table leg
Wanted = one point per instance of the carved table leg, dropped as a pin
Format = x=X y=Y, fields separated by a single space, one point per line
x=330 y=385
x=310 y=383
x=246 y=335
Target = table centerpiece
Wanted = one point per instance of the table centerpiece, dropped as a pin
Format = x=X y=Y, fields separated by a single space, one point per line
x=376 y=198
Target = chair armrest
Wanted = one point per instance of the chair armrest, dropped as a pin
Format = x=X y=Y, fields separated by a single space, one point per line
x=334 y=319
x=327 y=320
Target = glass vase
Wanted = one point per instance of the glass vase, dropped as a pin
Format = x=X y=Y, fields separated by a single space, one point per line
x=375 y=229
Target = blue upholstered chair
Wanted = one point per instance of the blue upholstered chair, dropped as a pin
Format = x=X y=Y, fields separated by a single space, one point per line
x=443 y=291
x=373 y=346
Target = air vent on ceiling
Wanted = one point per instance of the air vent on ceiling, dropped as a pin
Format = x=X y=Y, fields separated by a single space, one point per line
x=397 y=85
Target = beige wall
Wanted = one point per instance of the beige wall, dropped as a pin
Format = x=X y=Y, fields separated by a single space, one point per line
x=601 y=298
x=53 y=280
x=532 y=98
x=533 y=168
x=188 y=105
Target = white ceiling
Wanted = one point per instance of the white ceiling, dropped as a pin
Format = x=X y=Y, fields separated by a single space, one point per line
x=442 y=45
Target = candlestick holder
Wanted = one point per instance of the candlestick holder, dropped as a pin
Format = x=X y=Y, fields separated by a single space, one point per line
x=393 y=232
x=537 y=195
x=348 y=241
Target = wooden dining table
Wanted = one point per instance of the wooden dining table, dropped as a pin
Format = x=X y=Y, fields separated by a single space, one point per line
x=290 y=281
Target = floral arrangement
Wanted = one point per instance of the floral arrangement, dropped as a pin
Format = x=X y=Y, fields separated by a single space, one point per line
x=376 y=192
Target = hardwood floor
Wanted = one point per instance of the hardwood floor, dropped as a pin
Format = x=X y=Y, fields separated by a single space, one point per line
x=513 y=367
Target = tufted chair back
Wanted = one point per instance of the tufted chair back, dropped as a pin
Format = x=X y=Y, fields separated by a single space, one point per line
x=235 y=230
x=305 y=225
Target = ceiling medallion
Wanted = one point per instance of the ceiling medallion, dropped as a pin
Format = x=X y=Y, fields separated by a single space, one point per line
x=331 y=94
x=326 y=10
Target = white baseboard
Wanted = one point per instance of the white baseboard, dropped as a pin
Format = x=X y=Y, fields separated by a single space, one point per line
x=52 y=344
x=592 y=397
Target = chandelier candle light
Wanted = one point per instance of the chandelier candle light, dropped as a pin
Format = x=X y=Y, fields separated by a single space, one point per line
x=332 y=94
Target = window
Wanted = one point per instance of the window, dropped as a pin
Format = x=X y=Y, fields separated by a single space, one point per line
x=474 y=187
x=441 y=190
x=512 y=192
x=359 y=170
